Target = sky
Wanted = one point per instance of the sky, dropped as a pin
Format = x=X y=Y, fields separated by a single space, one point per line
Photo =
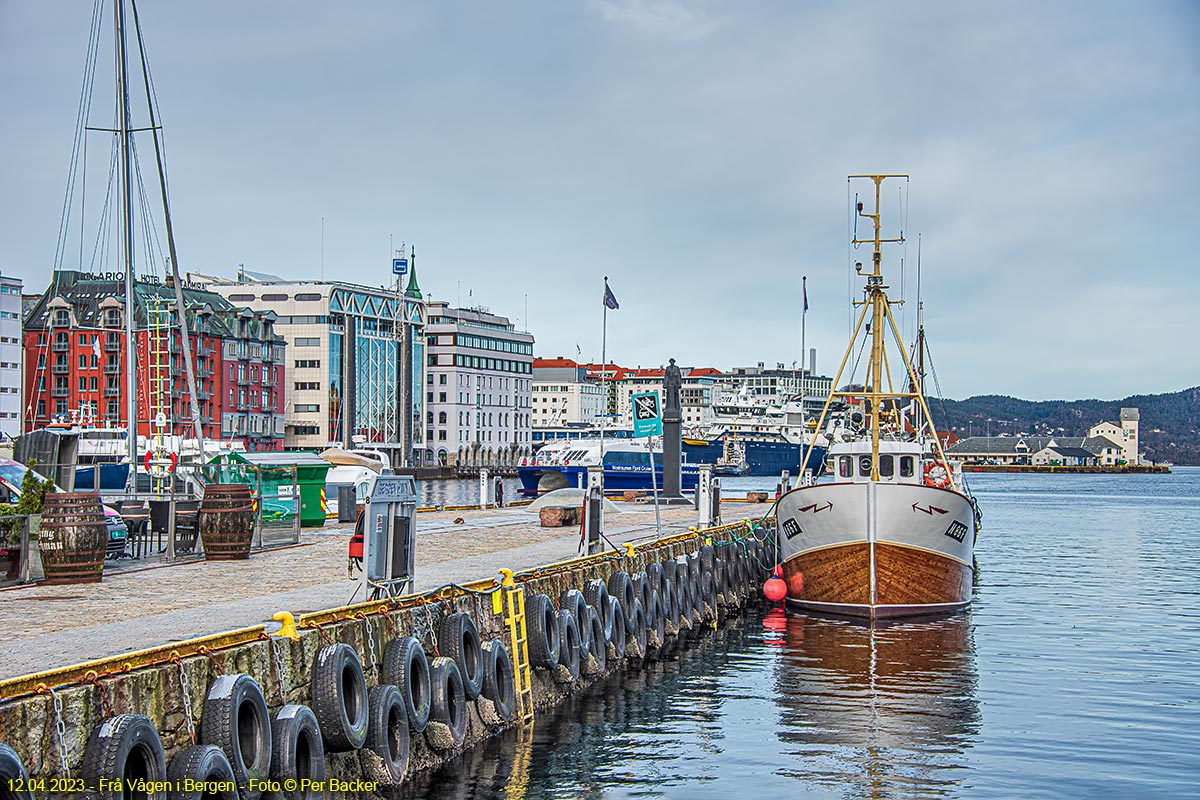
x=696 y=153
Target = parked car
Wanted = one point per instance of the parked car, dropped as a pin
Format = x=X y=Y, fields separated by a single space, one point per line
x=12 y=475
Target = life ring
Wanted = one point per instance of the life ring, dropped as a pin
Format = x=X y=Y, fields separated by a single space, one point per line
x=620 y=587
x=123 y=745
x=595 y=593
x=448 y=707
x=385 y=753
x=13 y=774
x=936 y=475
x=542 y=630
x=202 y=765
x=458 y=638
x=151 y=465
x=598 y=644
x=235 y=719
x=297 y=753
x=339 y=697
x=569 y=651
x=499 y=679
x=405 y=666
x=617 y=637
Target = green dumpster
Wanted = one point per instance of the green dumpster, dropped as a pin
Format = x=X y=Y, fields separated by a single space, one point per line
x=279 y=477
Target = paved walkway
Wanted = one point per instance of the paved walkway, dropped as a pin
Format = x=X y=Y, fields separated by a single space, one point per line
x=134 y=607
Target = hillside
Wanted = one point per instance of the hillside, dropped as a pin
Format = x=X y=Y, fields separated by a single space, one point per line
x=1169 y=425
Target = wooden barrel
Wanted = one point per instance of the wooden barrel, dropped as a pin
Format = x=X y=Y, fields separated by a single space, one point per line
x=72 y=538
x=226 y=521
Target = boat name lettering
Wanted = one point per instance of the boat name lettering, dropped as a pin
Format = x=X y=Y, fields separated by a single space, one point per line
x=957 y=531
x=791 y=528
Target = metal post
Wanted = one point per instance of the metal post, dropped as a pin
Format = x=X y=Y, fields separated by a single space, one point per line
x=256 y=542
x=704 y=497
x=299 y=504
x=483 y=488
x=171 y=529
x=594 y=508
x=25 y=559
x=654 y=487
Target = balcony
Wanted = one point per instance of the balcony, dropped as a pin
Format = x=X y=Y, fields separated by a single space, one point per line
x=112 y=345
x=268 y=355
x=112 y=391
x=112 y=369
x=60 y=391
x=176 y=348
x=203 y=371
x=243 y=380
x=61 y=369
x=176 y=392
x=59 y=346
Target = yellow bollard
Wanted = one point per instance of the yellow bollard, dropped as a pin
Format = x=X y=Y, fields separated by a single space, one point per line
x=287 y=625
x=507 y=581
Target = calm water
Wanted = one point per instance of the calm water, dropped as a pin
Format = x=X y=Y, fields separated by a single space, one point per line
x=465 y=491
x=1076 y=673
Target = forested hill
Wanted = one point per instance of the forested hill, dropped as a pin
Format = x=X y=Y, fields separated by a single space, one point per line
x=1169 y=427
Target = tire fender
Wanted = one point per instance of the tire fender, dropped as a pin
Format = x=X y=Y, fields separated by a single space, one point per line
x=297 y=751
x=406 y=667
x=542 y=629
x=120 y=743
x=499 y=679
x=569 y=649
x=458 y=638
x=201 y=763
x=384 y=756
x=339 y=697
x=235 y=719
x=11 y=769
x=448 y=706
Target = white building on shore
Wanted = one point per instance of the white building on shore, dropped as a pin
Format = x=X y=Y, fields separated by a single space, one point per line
x=12 y=368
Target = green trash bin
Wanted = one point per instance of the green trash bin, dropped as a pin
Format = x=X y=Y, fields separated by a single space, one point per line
x=275 y=471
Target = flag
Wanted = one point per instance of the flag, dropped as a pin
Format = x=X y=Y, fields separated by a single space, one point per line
x=96 y=346
x=610 y=299
x=805 y=282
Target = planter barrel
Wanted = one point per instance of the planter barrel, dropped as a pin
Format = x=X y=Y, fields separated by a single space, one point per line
x=72 y=538
x=226 y=521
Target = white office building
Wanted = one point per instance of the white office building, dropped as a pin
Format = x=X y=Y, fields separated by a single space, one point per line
x=479 y=387
x=11 y=362
x=564 y=394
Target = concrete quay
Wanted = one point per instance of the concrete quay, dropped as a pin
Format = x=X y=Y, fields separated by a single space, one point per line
x=145 y=604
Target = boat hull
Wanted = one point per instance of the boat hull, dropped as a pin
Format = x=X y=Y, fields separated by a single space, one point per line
x=617 y=478
x=764 y=457
x=877 y=550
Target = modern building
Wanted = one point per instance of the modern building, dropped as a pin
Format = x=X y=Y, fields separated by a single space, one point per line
x=564 y=393
x=75 y=366
x=479 y=387
x=11 y=359
x=345 y=343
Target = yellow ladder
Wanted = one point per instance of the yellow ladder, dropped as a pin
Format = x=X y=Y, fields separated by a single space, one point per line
x=514 y=620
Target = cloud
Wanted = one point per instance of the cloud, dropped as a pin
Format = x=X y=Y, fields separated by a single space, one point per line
x=656 y=18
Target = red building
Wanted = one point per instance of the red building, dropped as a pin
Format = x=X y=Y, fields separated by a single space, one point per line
x=75 y=360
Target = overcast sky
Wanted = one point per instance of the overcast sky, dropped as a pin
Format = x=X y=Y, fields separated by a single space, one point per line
x=694 y=152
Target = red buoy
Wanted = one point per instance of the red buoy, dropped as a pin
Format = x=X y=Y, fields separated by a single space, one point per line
x=774 y=589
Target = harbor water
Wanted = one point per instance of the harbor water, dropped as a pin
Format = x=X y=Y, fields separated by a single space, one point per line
x=1075 y=674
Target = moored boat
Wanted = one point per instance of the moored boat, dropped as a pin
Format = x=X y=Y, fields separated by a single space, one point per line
x=893 y=534
x=626 y=466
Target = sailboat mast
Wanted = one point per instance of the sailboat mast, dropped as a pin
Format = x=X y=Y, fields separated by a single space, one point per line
x=126 y=214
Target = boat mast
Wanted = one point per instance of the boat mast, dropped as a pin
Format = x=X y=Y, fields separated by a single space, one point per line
x=878 y=301
x=126 y=212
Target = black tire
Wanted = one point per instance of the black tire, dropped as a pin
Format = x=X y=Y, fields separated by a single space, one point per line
x=599 y=645
x=384 y=756
x=709 y=593
x=235 y=719
x=542 y=629
x=654 y=575
x=569 y=650
x=595 y=593
x=201 y=764
x=659 y=626
x=644 y=592
x=122 y=748
x=696 y=586
x=639 y=632
x=617 y=638
x=406 y=667
x=458 y=638
x=499 y=679
x=297 y=753
x=669 y=608
x=708 y=556
x=449 y=701
x=12 y=771
x=339 y=697
x=572 y=600
x=620 y=587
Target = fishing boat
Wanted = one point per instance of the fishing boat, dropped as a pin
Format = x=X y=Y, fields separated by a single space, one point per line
x=733 y=460
x=563 y=464
x=892 y=534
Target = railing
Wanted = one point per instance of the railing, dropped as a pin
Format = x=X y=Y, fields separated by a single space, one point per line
x=60 y=391
x=112 y=369
x=112 y=391
x=60 y=347
x=112 y=345
x=60 y=369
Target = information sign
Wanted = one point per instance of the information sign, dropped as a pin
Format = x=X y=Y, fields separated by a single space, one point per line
x=647 y=415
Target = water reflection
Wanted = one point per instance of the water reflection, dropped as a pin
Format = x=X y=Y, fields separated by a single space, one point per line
x=797 y=705
x=880 y=710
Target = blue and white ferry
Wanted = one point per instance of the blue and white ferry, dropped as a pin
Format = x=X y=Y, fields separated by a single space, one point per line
x=562 y=464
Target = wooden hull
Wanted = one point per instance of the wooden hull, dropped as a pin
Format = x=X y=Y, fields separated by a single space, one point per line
x=877 y=552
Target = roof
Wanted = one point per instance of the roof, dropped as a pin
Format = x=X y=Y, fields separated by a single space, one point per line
x=290 y=458
x=1072 y=452
x=701 y=372
x=554 y=363
x=1025 y=445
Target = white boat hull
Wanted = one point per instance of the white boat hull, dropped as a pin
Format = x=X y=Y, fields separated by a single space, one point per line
x=877 y=550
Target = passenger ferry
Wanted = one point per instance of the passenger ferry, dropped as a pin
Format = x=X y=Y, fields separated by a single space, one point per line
x=565 y=463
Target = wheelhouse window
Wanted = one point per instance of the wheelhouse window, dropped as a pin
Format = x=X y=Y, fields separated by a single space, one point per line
x=906 y=466
x=846 y=467
x=864 y=466
x=887 y=466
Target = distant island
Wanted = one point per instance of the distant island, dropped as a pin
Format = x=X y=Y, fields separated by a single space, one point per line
x=1169 y=429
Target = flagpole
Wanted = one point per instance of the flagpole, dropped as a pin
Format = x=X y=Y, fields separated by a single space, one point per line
x=803 y=320
x=603 y=369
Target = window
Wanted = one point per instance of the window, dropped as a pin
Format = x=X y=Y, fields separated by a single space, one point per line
x=305 y=408
x=906 y=466
x=442 y=379
x=308 y=342
x=306 y=296
x=308 y=363
x=864 y=466
x=306 y=430
x=441 y=397
x=274 y=298
x=303 y=386
x=241 y=298
x=887 y=466
x=441 y=417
